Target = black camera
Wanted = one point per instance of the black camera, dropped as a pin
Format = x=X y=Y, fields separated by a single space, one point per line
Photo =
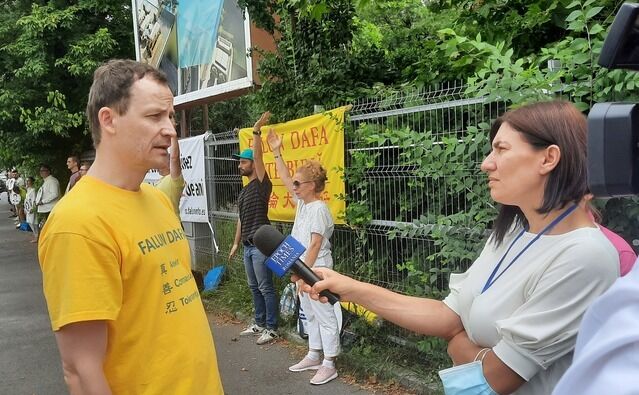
x=613 y=128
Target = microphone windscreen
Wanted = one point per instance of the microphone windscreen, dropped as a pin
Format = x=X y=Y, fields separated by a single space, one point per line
x=267 y=239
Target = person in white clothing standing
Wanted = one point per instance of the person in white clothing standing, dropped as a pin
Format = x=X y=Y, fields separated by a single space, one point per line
x=30 y=208
x=313 y=228
x=511 y=319
x=47 y=196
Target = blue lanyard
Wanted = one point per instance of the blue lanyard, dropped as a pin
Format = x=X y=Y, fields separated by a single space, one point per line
x=492 y=279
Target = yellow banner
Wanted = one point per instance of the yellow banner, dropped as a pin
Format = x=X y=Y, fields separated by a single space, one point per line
x=319 y=137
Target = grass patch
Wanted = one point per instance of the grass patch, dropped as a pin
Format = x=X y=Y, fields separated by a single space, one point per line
x=375 y=354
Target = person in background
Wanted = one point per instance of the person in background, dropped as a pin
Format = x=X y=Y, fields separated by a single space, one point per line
x=116 y=264
x=10 y=183
x=17 y=198
x=172 y=181
x=627 y=255
x=313 y=228
x=18 y=178
x=253 y=207
x=30 y=209
x=511 y=319
x=84 y=168
x=13 y=181
x=73 y=164
x=48 y=194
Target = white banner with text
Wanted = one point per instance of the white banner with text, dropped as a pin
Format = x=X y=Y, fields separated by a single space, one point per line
x=193 y=203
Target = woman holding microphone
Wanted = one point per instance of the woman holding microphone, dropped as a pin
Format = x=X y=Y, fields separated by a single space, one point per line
x=512 y=318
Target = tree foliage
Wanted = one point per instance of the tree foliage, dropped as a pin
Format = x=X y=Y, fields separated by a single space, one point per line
x=49 y=52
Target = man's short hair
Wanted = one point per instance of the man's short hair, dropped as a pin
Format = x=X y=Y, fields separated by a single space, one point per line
x=112 y=88
x=75 y=159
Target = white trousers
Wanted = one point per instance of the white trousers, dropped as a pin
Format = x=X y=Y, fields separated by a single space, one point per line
x=321 y=325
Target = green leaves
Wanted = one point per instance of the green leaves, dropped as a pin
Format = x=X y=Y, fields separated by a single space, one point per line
x=51 y=119
x=49 y=52
x=440 y=168
x=85 y=55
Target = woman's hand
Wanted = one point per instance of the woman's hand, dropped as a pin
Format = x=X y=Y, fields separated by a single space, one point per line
x=499 y=376
x=331 y=280
x=274 y=140
x=262 y=121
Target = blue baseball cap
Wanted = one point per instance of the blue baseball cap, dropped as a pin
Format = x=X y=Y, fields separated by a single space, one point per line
x=246 y=154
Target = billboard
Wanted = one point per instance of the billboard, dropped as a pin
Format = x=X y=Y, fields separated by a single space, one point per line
x=201 y=45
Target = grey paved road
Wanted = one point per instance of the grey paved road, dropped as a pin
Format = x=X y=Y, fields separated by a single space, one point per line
x=29 y=359
x=247 y=368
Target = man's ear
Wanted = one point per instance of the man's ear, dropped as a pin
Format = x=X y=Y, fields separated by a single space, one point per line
x=552 y=155
x=108 y=120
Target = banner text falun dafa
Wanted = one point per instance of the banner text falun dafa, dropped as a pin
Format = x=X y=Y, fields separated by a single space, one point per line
x=319 y=137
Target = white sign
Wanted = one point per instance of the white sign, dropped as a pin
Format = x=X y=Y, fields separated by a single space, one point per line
x=14 y=198
x=193 y=204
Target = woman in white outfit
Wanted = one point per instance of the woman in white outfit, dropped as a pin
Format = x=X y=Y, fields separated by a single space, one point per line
x=47 y=196
x=511 y=320
x=313 y=228
x=30 y=209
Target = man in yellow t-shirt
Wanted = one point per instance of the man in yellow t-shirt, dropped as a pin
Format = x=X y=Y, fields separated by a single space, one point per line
x=124 y=307
x=172 y=181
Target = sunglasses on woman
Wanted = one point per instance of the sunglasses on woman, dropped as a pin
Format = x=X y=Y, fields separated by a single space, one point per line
x=296 y=184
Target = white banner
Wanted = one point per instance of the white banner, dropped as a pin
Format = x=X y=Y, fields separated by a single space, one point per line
x=193 y=204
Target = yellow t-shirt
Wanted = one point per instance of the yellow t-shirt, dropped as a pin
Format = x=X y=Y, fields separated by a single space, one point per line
x=121 y=256
x=172 y=189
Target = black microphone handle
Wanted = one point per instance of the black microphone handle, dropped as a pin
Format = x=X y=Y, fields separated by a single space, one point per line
x=311 y=278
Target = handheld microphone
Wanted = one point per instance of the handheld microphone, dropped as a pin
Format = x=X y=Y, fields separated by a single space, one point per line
x=284 y=254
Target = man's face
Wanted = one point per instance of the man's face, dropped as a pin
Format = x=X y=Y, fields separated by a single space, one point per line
x=246 y=167
x=83 y=170
x=71 y=163
x=44 y=172
x=143 y=135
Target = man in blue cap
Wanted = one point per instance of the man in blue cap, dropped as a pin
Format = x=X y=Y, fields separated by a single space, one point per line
x=253 y=207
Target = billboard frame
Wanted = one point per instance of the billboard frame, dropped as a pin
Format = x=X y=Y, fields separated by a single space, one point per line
x=208 y=94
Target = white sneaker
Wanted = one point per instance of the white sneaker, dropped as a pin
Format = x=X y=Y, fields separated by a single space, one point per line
x=268 y=335
x=324 y=375
x=306 y=364
x=252 y=330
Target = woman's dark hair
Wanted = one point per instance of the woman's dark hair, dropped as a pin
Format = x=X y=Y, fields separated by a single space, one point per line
x=541 y=125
